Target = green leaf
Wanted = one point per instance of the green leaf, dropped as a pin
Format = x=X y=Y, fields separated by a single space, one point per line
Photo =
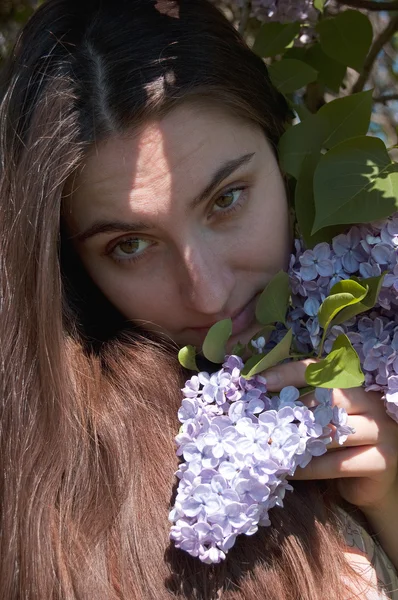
x=304 y=197
x=308 y=389
x=345 y=118
x=330 y=72
x=257 y=364
x=301 y=110
x=319 y=4
x=340 y=369
x=238 y=349
x=297 y=52
x=187 y=359
x=355 y=182
x=305 y=206
x=272 y=304
x=346 y=37
x=273 y=38
x=335 y=122
x=373 y=285
x=298 y=142
x=265 y=332
x=343 y=294
x=214 y=344
x=289 y=75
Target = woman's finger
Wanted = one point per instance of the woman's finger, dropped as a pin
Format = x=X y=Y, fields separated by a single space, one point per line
x=292 y=373
x=353 y=400
x=362 y=461
x=356 y=401
x=367 y=433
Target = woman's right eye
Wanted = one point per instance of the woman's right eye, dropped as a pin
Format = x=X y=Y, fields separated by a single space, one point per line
x=129 y=249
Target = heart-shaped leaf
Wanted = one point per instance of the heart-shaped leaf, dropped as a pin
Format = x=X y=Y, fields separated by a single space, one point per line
x=340 y=369
x=305 y=206
x=355 y=182
x=272 y=304
x=373 y=285
x=344 y=293
x=298 y=142
x=347 y=117
x=214 y=344
x=330 y=71
x=337 y=121
x=257 y=364
x=346 y=37
x=289 y=74
x=187 y=358
x=273 y=38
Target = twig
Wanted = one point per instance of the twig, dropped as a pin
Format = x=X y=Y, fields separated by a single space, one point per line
x=244 y=16
x=370 y=4
x=383 y=99
x=376 y=47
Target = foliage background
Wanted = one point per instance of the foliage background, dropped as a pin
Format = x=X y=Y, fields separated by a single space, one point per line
x=380 y=70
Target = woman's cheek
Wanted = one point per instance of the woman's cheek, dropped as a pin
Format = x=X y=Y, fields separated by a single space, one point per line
x=269 y=239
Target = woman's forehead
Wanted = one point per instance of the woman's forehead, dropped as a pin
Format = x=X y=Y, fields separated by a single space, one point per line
x=179 y=150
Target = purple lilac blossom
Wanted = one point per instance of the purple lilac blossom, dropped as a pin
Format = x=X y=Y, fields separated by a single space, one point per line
x=283 y=11
x=363 y=251
x=238 y=446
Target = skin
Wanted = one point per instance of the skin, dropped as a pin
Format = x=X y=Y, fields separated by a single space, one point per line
x=196 y=265
x=366 y=465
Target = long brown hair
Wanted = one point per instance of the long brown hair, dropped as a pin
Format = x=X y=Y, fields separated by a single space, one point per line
x=87 y=401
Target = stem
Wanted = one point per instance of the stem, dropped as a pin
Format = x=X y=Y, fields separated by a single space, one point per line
x=383 y=99
x=376 y=47
x=244 y=17
x=370 y=4
x=308 y=389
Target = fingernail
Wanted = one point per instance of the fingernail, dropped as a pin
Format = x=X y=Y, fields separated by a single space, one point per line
x=272 y=378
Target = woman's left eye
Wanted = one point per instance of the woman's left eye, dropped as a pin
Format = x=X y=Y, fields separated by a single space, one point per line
x=228 y=201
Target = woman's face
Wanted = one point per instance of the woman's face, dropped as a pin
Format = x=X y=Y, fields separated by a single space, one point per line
x=183 y=223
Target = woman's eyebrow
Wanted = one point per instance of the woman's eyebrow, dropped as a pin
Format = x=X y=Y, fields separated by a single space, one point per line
x=109 y=227
x=222 y=173
x=122 y=226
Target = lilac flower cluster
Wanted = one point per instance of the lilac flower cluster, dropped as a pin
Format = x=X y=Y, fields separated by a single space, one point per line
x=238 y=446
x=283 y=11
x=364 y=251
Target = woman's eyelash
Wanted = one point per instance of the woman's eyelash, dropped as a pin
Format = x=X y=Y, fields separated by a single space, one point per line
x=135 y=256
x=236 y=205
x=222 y=211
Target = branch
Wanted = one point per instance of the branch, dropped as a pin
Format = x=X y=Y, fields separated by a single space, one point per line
x=244 y=16
x=370 y=4
x=383 y=99
x=376 y=47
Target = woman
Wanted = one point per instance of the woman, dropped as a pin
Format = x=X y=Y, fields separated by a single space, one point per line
x=140 y=203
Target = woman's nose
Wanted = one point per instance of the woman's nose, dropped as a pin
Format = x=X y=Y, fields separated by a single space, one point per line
x=208 y=279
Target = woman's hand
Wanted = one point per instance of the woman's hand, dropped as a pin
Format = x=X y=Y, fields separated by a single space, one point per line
x=367 y=463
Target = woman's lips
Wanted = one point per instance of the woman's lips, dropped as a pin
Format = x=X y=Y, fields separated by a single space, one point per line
x=241 y=320
x=245 y=317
